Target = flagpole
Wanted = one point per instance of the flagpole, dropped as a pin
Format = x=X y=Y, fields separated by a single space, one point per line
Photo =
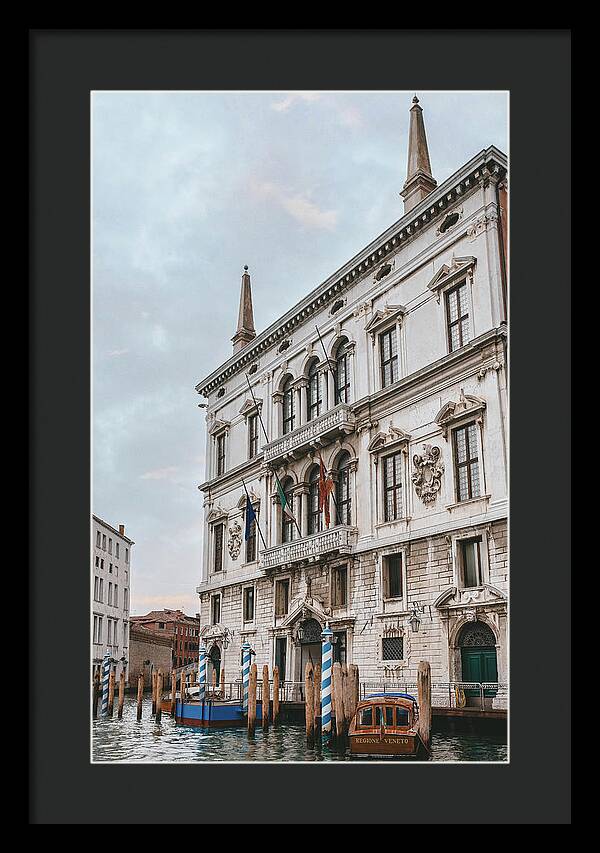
x=267 y=440
x=262 y=538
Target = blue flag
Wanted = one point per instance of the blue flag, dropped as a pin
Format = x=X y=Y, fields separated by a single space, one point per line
x=250 y=517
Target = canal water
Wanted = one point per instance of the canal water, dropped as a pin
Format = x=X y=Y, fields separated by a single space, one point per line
x=128 y=740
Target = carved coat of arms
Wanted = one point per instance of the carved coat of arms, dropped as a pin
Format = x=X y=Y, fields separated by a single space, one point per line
x=235 y=540
x=427 y=474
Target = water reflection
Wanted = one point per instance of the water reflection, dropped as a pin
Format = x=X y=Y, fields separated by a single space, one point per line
x=128 y=740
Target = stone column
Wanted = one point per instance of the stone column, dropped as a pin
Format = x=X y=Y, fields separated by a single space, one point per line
x=301 y=500
x=277 y=398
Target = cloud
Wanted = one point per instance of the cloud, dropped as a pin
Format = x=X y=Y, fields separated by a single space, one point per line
x=160 y=473
x=297 y=205
x=294 y=98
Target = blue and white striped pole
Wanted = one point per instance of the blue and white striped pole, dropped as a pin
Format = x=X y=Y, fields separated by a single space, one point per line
x=246 y=658
x=201 y=671
x=326 y=673
x=105 y=680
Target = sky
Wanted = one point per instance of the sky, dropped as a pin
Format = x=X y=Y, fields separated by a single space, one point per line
x=187 y=187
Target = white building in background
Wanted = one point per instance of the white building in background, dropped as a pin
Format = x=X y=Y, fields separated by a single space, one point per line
x=407 y=407
x=111 y=585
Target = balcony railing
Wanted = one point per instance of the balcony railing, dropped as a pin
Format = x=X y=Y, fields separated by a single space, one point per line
x=337 y=539
x=339 y=420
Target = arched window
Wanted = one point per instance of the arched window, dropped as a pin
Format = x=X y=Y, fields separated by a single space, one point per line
x=315 y=521
x=287 y=525
x=341 y=376
x=314 y=391
x=343 y=496
x=289 y=414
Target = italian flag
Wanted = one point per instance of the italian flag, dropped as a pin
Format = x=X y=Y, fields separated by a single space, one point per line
x=284 y=504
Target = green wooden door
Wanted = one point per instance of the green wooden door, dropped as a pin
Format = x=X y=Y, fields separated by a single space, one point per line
x=479 y=665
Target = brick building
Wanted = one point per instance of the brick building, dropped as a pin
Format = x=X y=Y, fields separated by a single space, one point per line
x=182 y=630
x=404 y=398
x=149 y=651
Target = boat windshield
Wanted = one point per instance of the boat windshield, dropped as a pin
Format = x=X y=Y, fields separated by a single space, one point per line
x=372 y=716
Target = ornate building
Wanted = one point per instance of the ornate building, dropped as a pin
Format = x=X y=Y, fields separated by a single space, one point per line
x=405 y=401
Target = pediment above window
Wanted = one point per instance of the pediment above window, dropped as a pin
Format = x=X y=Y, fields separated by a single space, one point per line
x=384 y=317
x=216 y=514
x=452 y=273
x=394 y=437
x=452 y=412
x=250 y=407
x=305 y=608
x=484 y=594
x=218 y=425
x=254 y=500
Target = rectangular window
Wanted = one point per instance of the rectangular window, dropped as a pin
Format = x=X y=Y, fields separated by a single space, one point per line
x=392 y=648
x=215 y=609
x=116 y=596
x=249 y=604
x=103 y=542
x=110 y=546
x=252 y=436
x=110 y=568
x=101 y=592
x=96 y=589
x=457 y=316
x=282 y=595
x=392 y=576
x=97 y=562
x=392 y=487
x=109 y=594
x=102 y=564
x=109 y=634
x=339 y=590
x=221 y=454
x=126 y=555
x=280 y=657
x=466 y=463
x=97 y=629
x=97 y=539
x=470 y=561
x=125 y=599
x=218 y=547
x=251 y=543
x=339 y=647
x=389 y=358
x=117 y=550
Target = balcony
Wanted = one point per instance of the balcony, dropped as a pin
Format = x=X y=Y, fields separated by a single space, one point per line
x=327 y=427
x=336 y=540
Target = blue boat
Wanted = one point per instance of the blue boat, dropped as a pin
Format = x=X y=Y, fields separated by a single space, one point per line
x=212 y=713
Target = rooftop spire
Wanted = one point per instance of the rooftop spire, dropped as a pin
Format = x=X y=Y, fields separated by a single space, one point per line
x=245 y=327
x=419 y=180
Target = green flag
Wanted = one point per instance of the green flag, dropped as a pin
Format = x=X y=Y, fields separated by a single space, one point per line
x=283 y=501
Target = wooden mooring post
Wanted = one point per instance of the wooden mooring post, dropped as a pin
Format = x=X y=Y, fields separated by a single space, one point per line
x=96 y=694
x=275 y=696
x=252 y=700
x=159 y=682
x=266 y=699
x=317 y=696
x=173 y=692
x=140 y=695
x=354 y=688
x=121 y=695
x=338 y=690
x=424 y=700
x=153 y=711
x=111 y=693
x=347 y=697
x=222 y=682
x=309 y=702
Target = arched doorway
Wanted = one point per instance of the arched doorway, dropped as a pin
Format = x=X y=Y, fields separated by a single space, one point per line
x=214 y=664
x=479 y=661
x=310 y=644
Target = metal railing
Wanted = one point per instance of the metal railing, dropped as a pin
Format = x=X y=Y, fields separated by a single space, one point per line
x=449 y=694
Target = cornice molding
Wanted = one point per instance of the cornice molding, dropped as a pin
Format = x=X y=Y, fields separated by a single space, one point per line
x=488 y=166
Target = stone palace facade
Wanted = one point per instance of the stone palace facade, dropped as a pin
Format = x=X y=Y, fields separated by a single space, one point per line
x=406 y=405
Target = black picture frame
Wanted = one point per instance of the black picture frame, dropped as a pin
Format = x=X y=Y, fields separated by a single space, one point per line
x=64 y=66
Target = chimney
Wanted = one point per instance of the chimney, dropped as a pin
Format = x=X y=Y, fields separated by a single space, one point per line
x=121 y=530
x=419 y=180
x=245 y=328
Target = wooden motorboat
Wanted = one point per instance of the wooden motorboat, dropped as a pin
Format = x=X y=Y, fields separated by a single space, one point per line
x=386 y=724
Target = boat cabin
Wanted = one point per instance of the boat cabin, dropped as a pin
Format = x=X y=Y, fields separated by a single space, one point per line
x=385 y=723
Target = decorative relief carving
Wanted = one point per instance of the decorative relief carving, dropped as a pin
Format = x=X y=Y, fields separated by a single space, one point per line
x=427 y=476
x=234 y=544
x=480 y=225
